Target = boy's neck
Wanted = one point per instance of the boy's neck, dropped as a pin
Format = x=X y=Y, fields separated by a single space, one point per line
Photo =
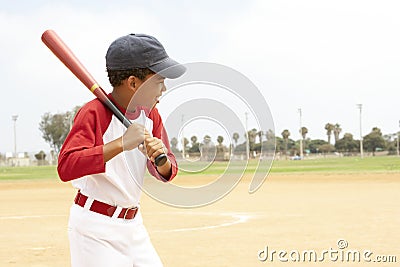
x=121 y=97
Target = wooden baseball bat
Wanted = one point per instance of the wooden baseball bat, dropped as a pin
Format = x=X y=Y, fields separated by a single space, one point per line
x=65 y=55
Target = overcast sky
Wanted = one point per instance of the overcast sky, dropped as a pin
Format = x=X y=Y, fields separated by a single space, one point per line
x=321 y=56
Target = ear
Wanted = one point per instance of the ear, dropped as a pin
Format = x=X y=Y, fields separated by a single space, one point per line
x=132 y=82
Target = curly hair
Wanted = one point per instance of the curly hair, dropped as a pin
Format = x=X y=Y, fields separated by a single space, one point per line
x=117 y=76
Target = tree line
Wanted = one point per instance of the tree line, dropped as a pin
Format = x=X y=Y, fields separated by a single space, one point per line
x=55 y=127
x=372 y=142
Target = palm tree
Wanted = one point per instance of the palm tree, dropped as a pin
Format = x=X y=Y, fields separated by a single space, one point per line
x=304 y=132
x=195 y=145
x=220 y=139
x=185 y=142
x=336 y=131
x=193 y=139
x=235 y=137
x=285 y=136
x=206 y=139
x=329 y=128
x=260 y=135
x=270 y=135
x=207 y=148
x=252 y=134
x=174 y=143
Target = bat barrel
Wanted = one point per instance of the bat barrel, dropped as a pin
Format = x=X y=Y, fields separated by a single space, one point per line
x=66 y=56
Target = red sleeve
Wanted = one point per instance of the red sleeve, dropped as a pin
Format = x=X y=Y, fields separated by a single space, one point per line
x=160 y=132
x=82 y=151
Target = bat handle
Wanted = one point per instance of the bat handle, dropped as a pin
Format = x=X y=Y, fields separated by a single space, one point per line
x=160 y=159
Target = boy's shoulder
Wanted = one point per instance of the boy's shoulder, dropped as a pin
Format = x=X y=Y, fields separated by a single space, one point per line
x=93 y=109
x=94 y=106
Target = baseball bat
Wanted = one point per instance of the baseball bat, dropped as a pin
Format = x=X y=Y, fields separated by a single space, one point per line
x=65 y=55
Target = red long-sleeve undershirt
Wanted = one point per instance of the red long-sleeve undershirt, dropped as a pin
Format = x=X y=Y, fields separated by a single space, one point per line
x=82 y=151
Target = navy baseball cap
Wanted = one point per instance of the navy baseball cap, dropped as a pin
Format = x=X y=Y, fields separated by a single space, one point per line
x=142 y=51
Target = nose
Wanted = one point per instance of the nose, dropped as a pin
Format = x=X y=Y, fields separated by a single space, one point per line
x=163 y=88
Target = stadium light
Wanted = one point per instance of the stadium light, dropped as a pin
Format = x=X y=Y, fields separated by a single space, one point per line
x=14 y=118
x=398 y=137
x=301 y=135
x=183 y=137
x=359 y=106
x=247 y=138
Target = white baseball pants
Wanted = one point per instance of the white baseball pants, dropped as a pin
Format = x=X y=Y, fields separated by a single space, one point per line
x=97 y=240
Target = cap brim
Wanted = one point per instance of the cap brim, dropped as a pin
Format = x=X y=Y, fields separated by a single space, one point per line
x=168 y=68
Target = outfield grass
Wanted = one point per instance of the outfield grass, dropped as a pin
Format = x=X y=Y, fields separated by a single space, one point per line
x=28 y=173
x=339 y=165
x=320 y=165
x=384 y=164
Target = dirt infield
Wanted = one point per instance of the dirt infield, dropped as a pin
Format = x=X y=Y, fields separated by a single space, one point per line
x=291 y=213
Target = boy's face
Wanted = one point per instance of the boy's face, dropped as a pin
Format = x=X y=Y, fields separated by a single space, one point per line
x=149 y=91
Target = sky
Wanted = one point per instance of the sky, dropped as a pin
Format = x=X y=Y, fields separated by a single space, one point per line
x=324 y=57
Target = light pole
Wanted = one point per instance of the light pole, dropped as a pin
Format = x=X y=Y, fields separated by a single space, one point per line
x=183 y=138
x=301 y=136
x=14 y=118
x=247 y=140
x=398 y=136
x=359 y=106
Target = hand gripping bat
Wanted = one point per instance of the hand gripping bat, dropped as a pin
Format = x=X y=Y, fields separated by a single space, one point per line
x=65 y=55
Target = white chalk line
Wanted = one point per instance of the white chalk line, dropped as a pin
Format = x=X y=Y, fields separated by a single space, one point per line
x=237 y=218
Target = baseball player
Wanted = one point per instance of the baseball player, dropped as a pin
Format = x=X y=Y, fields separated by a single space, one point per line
x=106 y=162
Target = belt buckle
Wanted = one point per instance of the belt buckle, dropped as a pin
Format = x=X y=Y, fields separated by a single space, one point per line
x=128 y=209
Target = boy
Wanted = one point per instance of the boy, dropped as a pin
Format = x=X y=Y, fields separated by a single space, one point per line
x=106 y=162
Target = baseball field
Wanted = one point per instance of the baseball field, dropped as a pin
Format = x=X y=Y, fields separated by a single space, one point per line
x=327 y=211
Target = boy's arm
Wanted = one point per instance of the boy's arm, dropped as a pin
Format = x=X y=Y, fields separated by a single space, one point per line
x=169 y=170
x=112 y=149
x=131 y=139
x=82 y=152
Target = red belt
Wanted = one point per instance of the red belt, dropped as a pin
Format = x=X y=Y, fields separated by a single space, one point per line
x=104 y=208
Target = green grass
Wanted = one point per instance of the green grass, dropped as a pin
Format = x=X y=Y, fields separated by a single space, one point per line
x=383 y=164
x=339 y=165
x=321 y=165
x=28 y=173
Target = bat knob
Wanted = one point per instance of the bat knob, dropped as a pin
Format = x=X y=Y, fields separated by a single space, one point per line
x=160 y=160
